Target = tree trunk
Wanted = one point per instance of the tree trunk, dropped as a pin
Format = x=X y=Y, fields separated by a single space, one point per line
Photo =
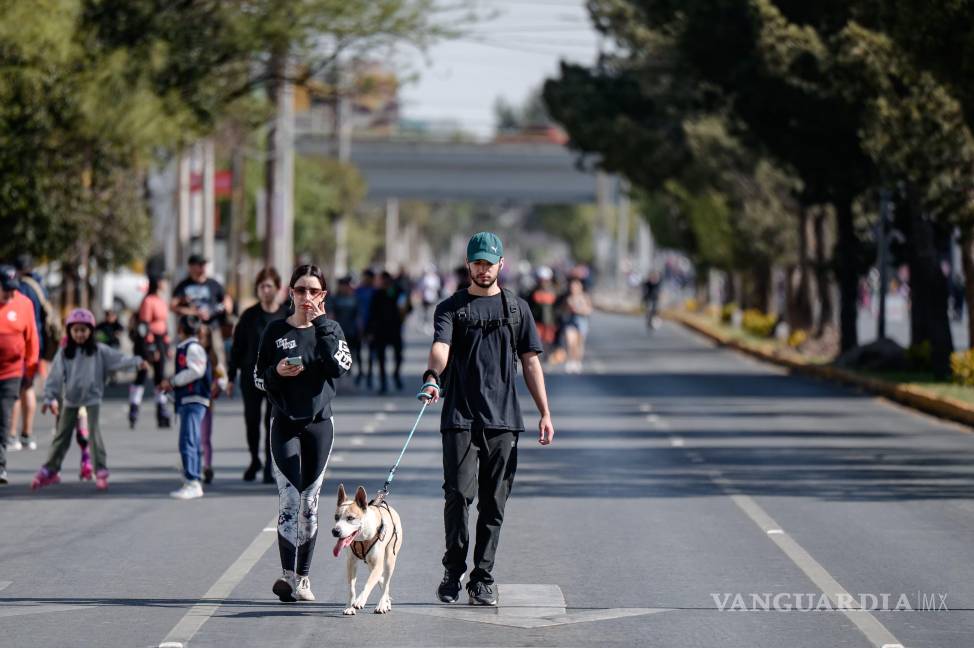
x=800 y=305
x=822 y=280
x=929 y=294
x=848 y=271
x=761 y=287
x=967 y=262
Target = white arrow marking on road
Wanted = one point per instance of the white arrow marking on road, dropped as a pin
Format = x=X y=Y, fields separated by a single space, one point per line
x=527 y=606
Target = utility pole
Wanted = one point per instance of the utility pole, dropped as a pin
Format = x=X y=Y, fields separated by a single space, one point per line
x=279 y=236
x=622 y=234
x=343 y=146
x=392 y=233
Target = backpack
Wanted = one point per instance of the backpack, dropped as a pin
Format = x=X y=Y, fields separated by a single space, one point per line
x=51 y=329
x=512 y=321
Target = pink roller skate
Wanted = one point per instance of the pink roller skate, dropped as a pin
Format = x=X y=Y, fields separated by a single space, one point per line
x=87 y=471
x=45 y=477
x=101 y=479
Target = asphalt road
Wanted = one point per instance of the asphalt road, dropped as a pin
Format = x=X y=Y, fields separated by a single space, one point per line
x=683 y=479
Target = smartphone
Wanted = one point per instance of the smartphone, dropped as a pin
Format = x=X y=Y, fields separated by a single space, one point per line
x=294 y=362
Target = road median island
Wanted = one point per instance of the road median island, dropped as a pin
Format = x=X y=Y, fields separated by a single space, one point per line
x=911 y=395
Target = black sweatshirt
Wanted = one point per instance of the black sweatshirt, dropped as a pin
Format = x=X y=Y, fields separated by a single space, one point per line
x=246 y=339
x=326 y=357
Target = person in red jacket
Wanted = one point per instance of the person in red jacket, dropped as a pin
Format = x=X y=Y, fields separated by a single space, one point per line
x=19 y=352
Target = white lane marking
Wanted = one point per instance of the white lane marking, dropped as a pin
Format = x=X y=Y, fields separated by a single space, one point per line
x=5 y=584
x=381 y=416
x=171 y=644
x=528 y=606
x=369 y=429
x=200 y=613
x=645 y=407
x=775 y=531
x=389 y=407
x=357 y=441
x=653 y=419
x=337 y=458
x=269 y=529
x=676 y=442
x=868 y=624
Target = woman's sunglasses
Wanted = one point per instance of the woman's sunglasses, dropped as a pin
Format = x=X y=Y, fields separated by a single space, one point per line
x=310 y=292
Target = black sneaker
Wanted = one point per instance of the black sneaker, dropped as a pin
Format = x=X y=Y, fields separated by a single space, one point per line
x=251 y=473
x=482 y=593
x=207 y=475
x=449 y=589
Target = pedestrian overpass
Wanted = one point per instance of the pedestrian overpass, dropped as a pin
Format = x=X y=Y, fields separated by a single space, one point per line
x=532 y=173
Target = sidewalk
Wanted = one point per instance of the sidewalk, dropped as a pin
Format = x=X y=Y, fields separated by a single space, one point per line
x=914 y=396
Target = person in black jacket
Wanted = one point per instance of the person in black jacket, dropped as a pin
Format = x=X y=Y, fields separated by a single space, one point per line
x=300 y=359
x=243 y=357
x=386 y=316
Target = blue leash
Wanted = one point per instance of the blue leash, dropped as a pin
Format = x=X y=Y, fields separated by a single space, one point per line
x=381 y=495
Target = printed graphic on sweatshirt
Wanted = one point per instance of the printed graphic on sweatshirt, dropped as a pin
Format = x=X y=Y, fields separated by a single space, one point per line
x=285 y=344
x=343 y=356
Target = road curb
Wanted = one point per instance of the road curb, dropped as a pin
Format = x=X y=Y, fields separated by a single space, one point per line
x=917 y=398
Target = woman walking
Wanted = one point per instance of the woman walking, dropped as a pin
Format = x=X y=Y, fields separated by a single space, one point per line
x=298 y=362
x=578 y=308
x=243 y=357
x=150 y=338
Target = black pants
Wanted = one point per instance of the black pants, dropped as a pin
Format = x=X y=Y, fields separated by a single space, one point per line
x=253 y=398
x=158 y=366
x=9 y=393
x=476 y=462
x=300 y=450
x=379 y=348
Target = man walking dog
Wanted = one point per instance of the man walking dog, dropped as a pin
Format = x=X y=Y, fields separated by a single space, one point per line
x=480 y=335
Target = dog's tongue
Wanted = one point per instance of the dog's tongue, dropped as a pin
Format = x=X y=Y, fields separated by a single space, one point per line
x=342 y=543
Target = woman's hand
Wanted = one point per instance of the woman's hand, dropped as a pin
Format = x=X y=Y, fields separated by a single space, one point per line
x=288 y=371
x=315 y=309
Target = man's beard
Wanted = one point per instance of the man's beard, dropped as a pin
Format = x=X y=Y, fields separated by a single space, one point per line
x=488 y=284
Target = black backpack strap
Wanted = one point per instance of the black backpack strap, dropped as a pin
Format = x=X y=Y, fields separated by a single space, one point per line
x=512 y=317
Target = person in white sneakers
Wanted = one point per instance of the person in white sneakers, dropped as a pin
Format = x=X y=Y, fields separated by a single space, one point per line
x=191 y=382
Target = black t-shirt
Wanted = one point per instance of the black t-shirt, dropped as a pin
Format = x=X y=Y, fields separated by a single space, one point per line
x=479 y=378
x=326 y=357
x=206 y=295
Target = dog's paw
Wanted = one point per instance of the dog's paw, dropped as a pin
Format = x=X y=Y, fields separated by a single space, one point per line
x=359 y=603
x=349 y=611
x=384 y=606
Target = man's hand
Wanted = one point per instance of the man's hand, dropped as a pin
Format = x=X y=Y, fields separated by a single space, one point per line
x=165 y=385
x=144 y=365
x=230 y=389
x=432 y=395
x=52 y=407
x=546 y=431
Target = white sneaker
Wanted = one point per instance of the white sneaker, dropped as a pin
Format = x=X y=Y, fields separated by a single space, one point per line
x=189 y=490
x=15 y=445
x=303 y=591
x=28 y=443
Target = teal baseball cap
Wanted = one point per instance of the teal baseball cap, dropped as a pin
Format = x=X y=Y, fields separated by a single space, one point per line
x=486 y=246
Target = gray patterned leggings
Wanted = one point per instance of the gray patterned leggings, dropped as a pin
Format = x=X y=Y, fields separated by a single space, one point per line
x=300 y=450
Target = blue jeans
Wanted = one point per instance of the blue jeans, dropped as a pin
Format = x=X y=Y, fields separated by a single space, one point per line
x=190 y=424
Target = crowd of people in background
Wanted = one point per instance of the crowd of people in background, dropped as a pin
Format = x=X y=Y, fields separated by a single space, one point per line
x=371 y=309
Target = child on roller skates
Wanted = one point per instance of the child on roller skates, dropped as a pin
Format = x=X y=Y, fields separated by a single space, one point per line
x=77 y=377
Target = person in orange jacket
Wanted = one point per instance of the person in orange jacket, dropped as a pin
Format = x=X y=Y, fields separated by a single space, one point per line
x=19 y=352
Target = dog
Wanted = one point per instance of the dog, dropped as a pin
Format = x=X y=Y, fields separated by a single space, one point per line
x=372 y=533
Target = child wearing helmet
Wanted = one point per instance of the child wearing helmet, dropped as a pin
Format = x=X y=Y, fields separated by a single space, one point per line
x=77 y=380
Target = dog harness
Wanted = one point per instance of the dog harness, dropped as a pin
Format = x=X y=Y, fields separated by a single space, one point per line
x=359 y=548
